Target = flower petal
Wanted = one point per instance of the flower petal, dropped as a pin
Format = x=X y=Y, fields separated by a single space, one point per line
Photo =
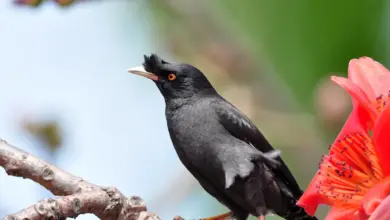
x=311 y=199
x=342 y=214
x=357 y=122
x=371 y=76
x=365 y=110
x=345 y=176
x=382 y=140
x=355 y=91
x=375 y=196
x=382 y=212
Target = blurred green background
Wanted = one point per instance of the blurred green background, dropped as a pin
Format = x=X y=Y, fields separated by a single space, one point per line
x=272 y=59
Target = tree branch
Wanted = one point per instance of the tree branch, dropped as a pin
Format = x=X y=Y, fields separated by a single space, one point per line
x=77 y=196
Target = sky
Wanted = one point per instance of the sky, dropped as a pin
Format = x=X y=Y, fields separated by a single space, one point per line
x=71 y=65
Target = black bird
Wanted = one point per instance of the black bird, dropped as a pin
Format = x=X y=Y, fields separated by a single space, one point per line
x=221 y=147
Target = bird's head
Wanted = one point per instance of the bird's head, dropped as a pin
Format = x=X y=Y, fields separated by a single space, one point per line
x=174 y=80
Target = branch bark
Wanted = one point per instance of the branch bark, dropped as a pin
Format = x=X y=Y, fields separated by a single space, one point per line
x=76 y=196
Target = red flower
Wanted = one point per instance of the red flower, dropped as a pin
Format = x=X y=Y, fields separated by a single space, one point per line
x=369 y=85
x=354 y=179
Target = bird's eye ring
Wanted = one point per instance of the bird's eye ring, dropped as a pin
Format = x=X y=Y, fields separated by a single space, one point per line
x=171 y=77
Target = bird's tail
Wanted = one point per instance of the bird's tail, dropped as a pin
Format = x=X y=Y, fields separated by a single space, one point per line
x=298 y=213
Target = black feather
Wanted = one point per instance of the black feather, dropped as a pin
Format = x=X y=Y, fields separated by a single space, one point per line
x=222 y=148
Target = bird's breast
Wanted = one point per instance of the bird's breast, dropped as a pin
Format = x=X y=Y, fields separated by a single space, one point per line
x=194 y=134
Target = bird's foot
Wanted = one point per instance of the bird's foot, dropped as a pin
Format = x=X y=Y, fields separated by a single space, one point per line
x=225 y=216
x=261 y=217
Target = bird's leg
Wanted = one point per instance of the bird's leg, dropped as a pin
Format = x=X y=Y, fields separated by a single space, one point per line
x=225 y=216
x=261 y=217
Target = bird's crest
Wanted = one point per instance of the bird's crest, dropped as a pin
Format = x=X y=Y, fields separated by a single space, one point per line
x=153 y=63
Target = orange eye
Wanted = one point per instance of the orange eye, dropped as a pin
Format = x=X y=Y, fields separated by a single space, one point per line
x=171 y=76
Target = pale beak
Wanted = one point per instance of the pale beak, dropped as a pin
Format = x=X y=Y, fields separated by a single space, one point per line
x=139 y=70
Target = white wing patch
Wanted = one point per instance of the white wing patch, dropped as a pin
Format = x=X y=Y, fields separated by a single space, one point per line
x=242 y=169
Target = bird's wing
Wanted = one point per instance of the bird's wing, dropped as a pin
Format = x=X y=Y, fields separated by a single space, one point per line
x=238 y=125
